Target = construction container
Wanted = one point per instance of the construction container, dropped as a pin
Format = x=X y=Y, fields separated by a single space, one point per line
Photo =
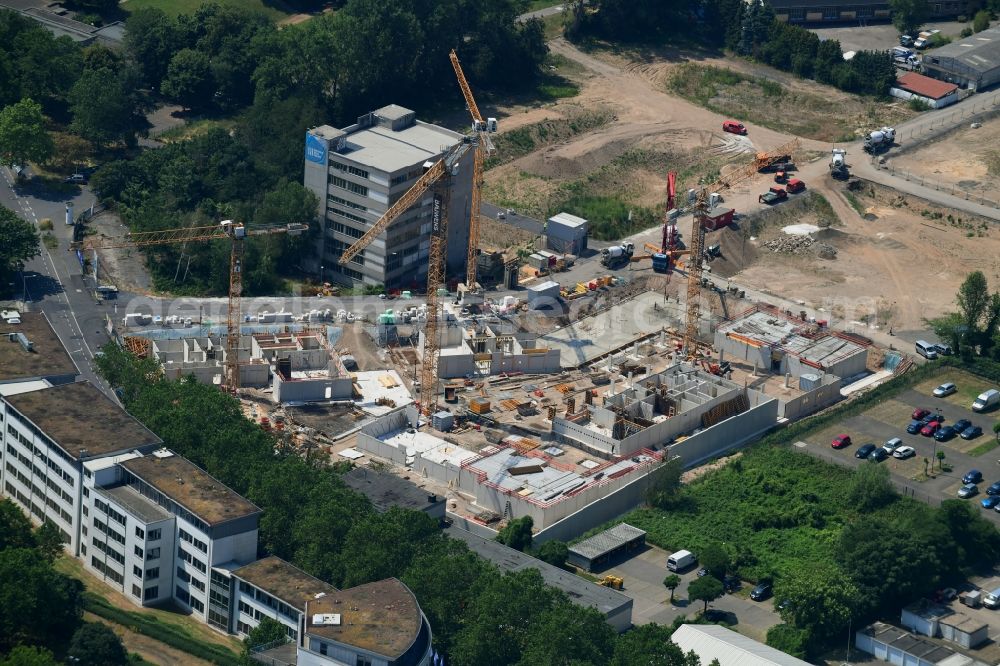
x=809 y=382
x=566 y=233
x=549 y=257
x=443 y=421
x=479 y=405
x=538 y=262
x=718 y=217
x=541 y=294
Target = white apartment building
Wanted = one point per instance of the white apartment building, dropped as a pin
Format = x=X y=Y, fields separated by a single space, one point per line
x=271 y=587
x=359 y=171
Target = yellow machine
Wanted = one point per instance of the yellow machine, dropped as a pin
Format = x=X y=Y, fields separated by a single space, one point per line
x=614 y=582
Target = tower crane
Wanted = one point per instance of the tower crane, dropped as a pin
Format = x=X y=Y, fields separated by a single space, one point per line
x=697 y=243
x=437 y=179
x=485 y=148
x=236 y=232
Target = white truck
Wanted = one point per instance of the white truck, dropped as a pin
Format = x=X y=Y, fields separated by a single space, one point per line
x=879 y=139
x=924 y=39
x=617 y=255
x=838 y=163
x=681 y=560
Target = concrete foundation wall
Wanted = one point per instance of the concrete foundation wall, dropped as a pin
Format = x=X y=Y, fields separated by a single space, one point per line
x=728 y=435
x=597 y=513
x=813 y=401
x=311 y=390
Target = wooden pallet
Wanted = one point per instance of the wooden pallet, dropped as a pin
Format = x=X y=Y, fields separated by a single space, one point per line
x=509 y=405
x=524 y=445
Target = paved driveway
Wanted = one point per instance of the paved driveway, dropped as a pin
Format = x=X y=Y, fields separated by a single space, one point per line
x=878 y=37
x=644 y=576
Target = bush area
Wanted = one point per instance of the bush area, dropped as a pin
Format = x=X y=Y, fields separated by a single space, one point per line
x=529 y=138
x=479 y=616
x=748 y=29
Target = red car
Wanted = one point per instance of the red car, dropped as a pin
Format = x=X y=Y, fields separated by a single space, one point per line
x=734 y=127
x=919 y=413
x=931 y=428
x=841 y=441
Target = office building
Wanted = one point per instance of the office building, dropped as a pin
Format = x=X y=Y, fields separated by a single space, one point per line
x=359 y=171
x=271 y=587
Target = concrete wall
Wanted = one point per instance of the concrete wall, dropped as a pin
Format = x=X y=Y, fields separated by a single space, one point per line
x=311 y=390
x=812 y=401
x=728 y=435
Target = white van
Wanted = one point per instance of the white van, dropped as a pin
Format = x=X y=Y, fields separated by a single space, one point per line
x=986 y=400
x=992 y=600
x=681 y=560
x=926 y=349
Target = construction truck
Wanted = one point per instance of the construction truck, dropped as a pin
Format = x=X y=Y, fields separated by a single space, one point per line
x=879 y=139
x=617 y=255
x=838 y=163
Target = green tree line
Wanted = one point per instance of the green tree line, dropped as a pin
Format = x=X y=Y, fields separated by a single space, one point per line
x=479 y=615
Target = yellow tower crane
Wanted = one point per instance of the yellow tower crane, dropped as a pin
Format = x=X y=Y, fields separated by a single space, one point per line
x=485 y=148
x=436 y=178
x=236 y=232
x=697 y=245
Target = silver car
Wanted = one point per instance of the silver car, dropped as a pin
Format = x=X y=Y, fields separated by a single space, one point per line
x=945 y=389
x=891 y=445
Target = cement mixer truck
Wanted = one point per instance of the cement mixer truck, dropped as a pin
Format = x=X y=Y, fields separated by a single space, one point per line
x=617 y=255
x=879 y=139
x=838 y=164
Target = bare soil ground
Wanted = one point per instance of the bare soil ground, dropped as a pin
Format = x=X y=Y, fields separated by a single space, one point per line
x=125 y=268
x=966 y=158
x=151 y=650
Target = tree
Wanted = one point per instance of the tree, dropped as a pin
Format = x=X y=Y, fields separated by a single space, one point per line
x=870 y=488
x=568 y=634
x=706 y=589
x=49 y=541
x=714 y=558
x=821 y=599
x=789 y=640
x=517 y=533
x=152 y=38
x=554 y=552
x=908 y=15
x=996 y=430
x=15 y=528
x=189 y=79
x=95 y=644
x=672 y=582
x=977 y=540
x=940 y=457
x=37 y=604
x=648 y=644
x=268 y=631
x=973 y=302
x=18 y=244
x=29 y=655
x=981 y=21
x=22 y=134
x=103 y=107
x=664 y=484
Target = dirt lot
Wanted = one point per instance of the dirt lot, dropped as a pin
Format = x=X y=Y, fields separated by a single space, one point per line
x=966 y=158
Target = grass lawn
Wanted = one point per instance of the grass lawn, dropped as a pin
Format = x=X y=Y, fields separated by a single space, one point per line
x=177 y=7
x=969 y=386
x=194 y=128
x=535 y=5
x=985 y=447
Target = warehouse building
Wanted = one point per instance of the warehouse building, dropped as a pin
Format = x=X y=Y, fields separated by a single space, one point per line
x=358 y=172
x=614 y=606
x=973 y=62
x=708 y=413
x=851 y=11
x=932 y=92
x=713 y=641
x=566 y=234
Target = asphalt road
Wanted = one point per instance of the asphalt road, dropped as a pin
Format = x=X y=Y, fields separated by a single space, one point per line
x=53 y=282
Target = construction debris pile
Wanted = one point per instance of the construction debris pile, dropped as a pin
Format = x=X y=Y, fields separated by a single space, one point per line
x=800 y=245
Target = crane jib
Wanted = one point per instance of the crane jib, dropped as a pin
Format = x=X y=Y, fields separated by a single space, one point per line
x=436 y=214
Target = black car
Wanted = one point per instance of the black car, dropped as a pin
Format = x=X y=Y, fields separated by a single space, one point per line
x=702 y=572
x=761 y=592
x=972 y=432
x=731 y=583
x=915 y=426
x=961 y=424
x=993 y=489
x=945 y=433
x=864 y=451
x=878 y=455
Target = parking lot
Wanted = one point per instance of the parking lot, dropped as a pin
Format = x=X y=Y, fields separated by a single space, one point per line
x=644 y=574
x=880 y=36
x=890 y=418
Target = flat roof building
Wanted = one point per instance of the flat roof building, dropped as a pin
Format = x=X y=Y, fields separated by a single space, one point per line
x=386 y=490
x=272 y=587
x=31 y=351
x=614 y=606
x=973 y=62
x=850 y=11
x=713 y=641
x=605 y=547
x=359 y=171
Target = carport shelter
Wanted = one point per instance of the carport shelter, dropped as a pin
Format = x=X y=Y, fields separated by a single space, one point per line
x=600 y=549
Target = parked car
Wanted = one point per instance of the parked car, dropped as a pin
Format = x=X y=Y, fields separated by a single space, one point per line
x=731 y=583
x=892 y=444
x=841 y=441
x=795 y=185
x=904 y=452
x=702 y=572
x=937 y=417
x=946 y=595
x=968 y=490
x=864 y=451
x=914 y=426
x=945 y=433
x=761 y=592
x=944 y=350
x=973 y=476
x=972 y=432
x=76 y=179
x=961 y=424
x=919 y=413
x=945 y=389
x=905 y=40
x=993 y=489
x=773 y=196
x=990 y=501
x=929 y=429
x=878 y=455
x=986 y=400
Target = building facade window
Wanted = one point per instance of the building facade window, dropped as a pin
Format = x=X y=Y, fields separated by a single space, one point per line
x=153 y=574
x=138 y=552
x=343 y=184
x=154 y=535
x=347 y=168
x=151 y=593
x=139 y=532
x=152 y=554
x=137 y=571
x=137 y=592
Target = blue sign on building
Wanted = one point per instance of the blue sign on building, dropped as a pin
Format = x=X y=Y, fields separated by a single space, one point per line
x=315 y=149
